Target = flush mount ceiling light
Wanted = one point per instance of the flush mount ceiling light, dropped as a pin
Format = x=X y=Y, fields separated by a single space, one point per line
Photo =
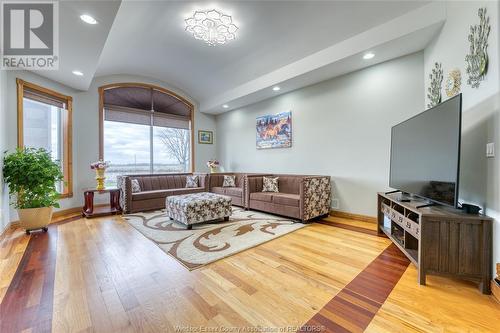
x=88 y=19
x=225 y=106
x=368 y=55
x=77 y=73
x=211 y=26
x=276 y=88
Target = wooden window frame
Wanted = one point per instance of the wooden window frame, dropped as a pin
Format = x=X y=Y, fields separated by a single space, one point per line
x=141 y=85
x=67 y=130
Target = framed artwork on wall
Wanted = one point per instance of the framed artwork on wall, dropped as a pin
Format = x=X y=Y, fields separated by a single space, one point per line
x=205 y=137
x=274 y=131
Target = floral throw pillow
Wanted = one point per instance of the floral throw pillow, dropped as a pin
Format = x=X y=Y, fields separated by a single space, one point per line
x=135 y=186
x=270 y=184
x=229 y=181
x=191 y=181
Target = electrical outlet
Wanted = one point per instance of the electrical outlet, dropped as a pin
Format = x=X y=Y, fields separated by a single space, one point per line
x=335 y=203
x=490 y=149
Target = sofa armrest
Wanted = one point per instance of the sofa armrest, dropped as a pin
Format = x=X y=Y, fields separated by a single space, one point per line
x=315 y=196
x=252 y=184
x=124 y=183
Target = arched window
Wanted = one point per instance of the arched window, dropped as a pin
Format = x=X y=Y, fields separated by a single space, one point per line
x=144 y=129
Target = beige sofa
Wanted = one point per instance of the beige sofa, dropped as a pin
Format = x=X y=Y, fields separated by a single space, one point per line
x=301 y=197
x=237 y=194
x=155 y=189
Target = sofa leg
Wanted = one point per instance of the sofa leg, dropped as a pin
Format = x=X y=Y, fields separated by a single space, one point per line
x=189 y=227
x=226 y=218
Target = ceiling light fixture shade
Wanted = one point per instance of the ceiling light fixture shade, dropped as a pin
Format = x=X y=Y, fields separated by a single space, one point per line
x=77 y=73
x=368 y=55
x=276 y=88
x=211 y=26
x=88 y=19
x=225 y=106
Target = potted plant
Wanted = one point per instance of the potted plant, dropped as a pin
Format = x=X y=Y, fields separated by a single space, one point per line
x=31 y=175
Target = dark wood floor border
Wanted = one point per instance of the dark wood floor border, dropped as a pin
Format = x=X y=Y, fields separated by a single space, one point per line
x=349 y=227
x=36 y=270
x=354 y=307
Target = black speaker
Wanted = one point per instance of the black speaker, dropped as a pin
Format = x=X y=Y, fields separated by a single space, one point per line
x=471 y=209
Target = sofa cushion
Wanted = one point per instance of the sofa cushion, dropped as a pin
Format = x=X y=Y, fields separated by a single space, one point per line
x=270 y=184
x=262 y=196
x=218 y=190
x=286 y=199
x=146 y=195
x=234 y=191
x=182 y=191
x=229 y=181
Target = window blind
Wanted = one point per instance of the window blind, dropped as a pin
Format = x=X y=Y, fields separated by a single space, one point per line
x=127 y=115
x=41 y=97
x=168 y=120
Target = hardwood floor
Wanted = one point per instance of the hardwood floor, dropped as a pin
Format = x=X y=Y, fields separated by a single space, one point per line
x=101 y=275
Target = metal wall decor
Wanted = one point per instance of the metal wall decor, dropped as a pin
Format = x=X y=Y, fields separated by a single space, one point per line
x=434 y=89
x=477 y=59
x=453 y=83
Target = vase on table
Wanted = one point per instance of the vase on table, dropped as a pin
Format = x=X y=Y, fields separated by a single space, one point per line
x=99 y=177
x=213 y=169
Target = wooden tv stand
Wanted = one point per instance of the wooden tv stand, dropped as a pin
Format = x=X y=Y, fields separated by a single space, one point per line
x=438 y=240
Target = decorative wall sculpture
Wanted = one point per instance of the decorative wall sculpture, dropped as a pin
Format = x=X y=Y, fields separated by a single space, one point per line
x=477 y=59
x=453 y=83
x=434 y=89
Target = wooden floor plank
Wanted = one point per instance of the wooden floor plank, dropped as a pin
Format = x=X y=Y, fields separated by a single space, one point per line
x=101 y=275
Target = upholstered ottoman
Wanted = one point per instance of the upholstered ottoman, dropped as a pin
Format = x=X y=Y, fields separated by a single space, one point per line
x=196 y=208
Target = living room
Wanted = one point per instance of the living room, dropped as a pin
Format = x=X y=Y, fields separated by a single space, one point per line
x=284 y=118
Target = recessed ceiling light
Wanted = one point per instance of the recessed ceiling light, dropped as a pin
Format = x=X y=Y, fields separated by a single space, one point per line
x=225 y=106
x=211 y=26
x=276 y=88
x=368 y=55
x=88 y=19
x=77 y=73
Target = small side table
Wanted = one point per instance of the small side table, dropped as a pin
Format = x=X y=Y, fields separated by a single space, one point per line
x=114 y=203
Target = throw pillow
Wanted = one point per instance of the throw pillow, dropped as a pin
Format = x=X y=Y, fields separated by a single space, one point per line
x=135 y=186
x=191 y=181
x=229 y=181
x=270 y=184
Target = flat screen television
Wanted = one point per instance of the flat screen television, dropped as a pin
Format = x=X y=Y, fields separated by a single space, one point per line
x=425 y=153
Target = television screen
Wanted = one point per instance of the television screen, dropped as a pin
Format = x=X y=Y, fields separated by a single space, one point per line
x=425 y=153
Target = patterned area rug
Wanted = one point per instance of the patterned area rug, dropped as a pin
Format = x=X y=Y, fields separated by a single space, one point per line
x=209 y=242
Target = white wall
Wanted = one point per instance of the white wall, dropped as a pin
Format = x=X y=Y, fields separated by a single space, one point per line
x=85 y=127
x=341 y=128
x=479 y=176
x=4 y=202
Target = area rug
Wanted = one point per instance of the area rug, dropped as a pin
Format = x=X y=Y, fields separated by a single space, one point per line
x=209 y=242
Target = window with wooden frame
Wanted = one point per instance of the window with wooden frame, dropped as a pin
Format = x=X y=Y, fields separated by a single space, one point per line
x=144 y=129
x=44 y=120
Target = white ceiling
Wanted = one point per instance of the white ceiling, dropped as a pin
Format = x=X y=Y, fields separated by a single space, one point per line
x=291 y=43
x=80 y=44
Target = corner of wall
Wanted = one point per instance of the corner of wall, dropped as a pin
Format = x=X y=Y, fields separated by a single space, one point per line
x=4 y=197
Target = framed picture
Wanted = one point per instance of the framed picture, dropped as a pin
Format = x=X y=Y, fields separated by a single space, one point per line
x=274 y=131
x=206 y=137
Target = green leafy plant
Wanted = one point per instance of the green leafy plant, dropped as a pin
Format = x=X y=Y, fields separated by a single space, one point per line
x=32 y=175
